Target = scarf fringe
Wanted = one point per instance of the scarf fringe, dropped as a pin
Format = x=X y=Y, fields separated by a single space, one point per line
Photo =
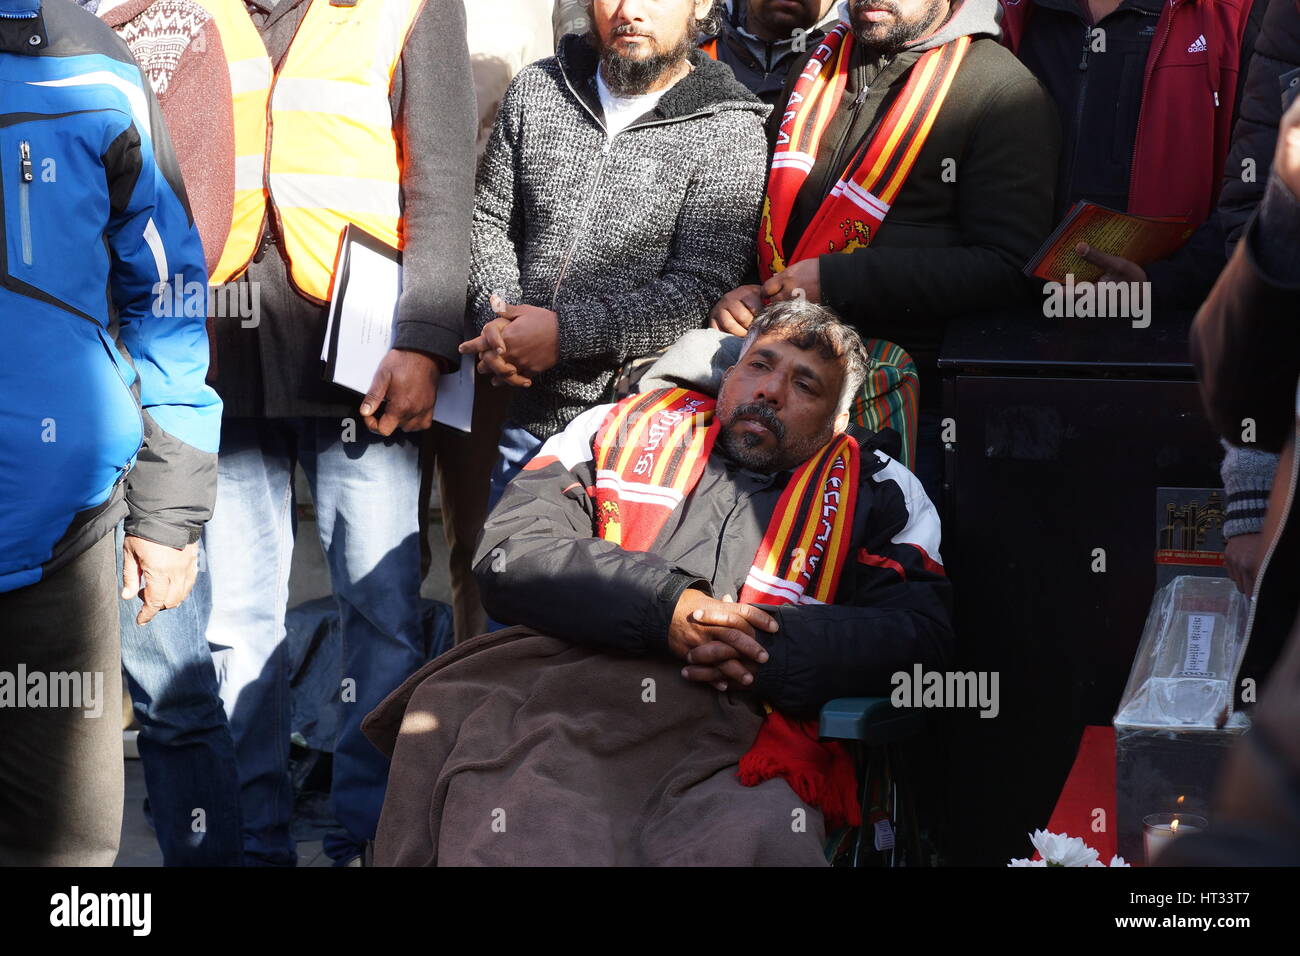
x=833 y=793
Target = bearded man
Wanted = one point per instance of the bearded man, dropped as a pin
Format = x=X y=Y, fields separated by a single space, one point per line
x=705 y=575
x=617 y=200
x=913 y=166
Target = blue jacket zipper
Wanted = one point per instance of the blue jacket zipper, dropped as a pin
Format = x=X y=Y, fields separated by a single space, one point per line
x=24 y=200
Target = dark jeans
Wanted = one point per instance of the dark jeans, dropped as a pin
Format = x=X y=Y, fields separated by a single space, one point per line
x=61 y=753
x=185 y=743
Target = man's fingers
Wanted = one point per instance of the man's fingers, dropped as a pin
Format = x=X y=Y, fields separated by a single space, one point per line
x=737 y=672
x=712 y=653
x=724 y=321
x=772 y=287
x=378 y=390
x=759 y=619
x=1115 y=266
x=153 y=599
x=130 y=574
x=720 y=617
x=495 y=340
x=705 y=675
x=477 y=344
x=744 y=643
x=491 y=363
x=389 y=423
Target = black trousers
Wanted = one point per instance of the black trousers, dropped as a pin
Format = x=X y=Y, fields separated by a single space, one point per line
x=61 y=716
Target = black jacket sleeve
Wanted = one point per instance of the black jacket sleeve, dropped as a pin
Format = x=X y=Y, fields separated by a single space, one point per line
x=540 y=563
x=1259 y=109
x=893 y=608
x=1246 y=338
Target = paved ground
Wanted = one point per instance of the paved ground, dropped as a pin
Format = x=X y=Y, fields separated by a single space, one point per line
x=308 y=580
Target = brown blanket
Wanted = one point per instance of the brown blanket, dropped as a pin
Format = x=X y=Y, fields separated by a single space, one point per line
x=520 y=749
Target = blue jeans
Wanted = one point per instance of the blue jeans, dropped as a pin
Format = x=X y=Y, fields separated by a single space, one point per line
x=516 y=449
x=185 y=743
x=366 y=492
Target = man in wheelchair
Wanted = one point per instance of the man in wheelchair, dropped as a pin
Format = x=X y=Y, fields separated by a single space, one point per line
x=692 y=579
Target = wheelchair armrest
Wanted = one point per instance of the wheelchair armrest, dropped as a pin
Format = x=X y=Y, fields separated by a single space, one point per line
x=872 y=720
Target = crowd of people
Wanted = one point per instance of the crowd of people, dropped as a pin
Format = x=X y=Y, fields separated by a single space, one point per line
x=701 y=257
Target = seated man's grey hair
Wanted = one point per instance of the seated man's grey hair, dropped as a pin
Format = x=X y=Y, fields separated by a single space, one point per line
x=806 y=325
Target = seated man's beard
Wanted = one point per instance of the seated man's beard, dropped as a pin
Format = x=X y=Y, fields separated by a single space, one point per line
x=746 y=449
x=628 y=76
x=902 y=32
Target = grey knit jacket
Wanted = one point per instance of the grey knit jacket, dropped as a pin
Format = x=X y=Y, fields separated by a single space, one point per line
x=630 y=240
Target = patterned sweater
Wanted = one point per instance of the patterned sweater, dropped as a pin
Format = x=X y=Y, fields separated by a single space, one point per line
x=630 y=240
x=178 y=47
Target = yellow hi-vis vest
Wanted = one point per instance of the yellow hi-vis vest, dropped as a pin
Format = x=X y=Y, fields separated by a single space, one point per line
x=250 y=83
x=334 y=155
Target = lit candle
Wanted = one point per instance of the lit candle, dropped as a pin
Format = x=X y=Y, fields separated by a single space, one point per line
x=1161 y=829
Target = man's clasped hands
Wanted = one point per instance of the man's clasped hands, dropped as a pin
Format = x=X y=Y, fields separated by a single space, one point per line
x=718 y=639
x=520 y=343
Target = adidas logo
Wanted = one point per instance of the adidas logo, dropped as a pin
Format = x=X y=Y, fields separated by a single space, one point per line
x=1198 y=45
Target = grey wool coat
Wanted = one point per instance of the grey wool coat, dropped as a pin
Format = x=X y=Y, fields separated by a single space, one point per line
x=629 y=239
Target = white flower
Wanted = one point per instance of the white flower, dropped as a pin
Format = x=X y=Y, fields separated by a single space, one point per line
x=1117 y=860
x=1057 y=849
x=1027 y=863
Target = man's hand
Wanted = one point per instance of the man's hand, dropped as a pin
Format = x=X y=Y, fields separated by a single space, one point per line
x=161 y=576
x=532 y=338
x=736 y=310
x=1115 y=268
x=406 y=385
x=1286 y=161
x=1242 y=554
x=726 y=629
x=490 y=351
x=803 y=280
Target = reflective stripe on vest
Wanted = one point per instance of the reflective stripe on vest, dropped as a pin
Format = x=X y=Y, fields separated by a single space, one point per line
x=250 y=83
x=334 y=158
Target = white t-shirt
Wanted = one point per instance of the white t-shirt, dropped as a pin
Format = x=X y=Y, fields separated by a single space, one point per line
x=622 y=111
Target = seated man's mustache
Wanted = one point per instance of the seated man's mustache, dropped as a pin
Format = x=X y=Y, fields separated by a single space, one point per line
x=761 y=413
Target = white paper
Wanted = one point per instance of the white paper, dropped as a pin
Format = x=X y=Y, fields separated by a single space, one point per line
x=1200 y=634
x=365 y=317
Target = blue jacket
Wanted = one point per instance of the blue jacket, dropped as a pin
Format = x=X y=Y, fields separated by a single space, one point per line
x=94 y=230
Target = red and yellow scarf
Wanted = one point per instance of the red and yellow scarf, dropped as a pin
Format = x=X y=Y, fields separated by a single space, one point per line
x=649 y=454
x=852 y=212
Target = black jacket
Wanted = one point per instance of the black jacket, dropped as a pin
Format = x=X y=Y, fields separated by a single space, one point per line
x=540 y=564
x=976 y=205
x=759 y=66
x=1259 y=110
x=1246 y=345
